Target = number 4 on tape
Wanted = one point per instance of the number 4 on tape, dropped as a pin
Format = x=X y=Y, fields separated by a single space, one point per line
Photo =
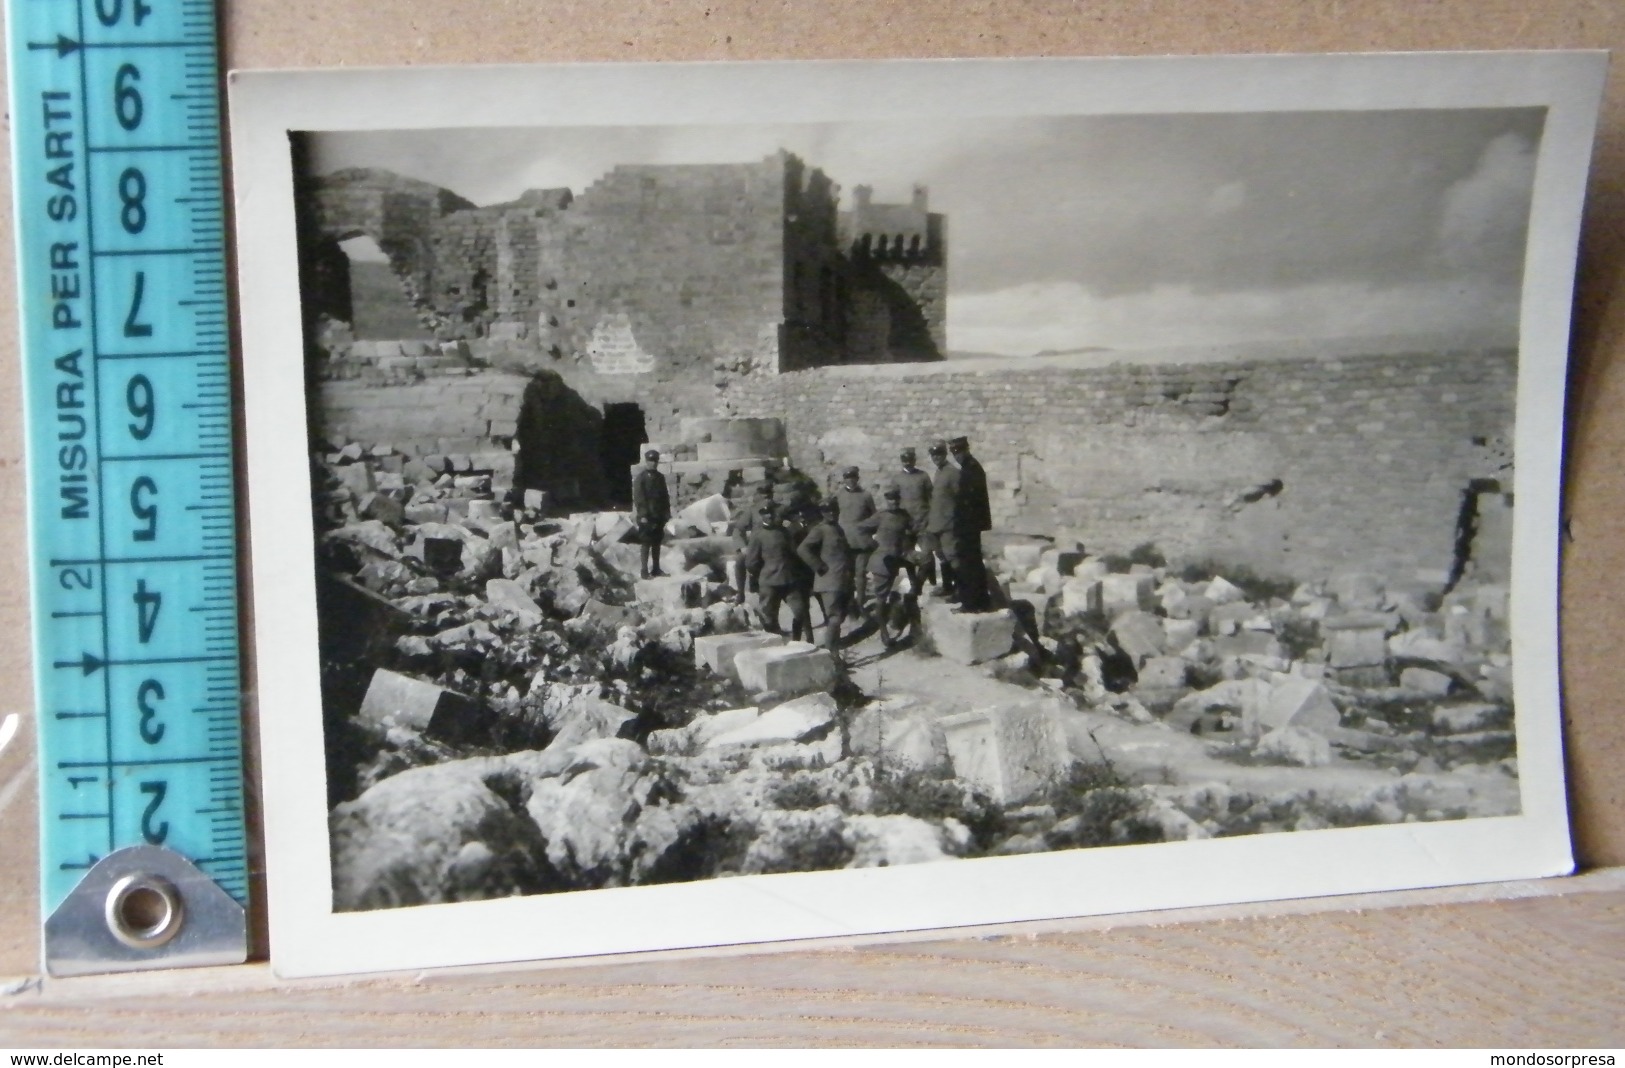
x=121 y=267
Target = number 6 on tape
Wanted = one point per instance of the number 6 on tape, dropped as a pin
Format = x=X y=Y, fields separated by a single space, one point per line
x=121 y=267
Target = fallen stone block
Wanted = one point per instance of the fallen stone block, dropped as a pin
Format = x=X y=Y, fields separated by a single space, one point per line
x=1179 y=633
x=1240 y=697
x=1423 y=680
x=1164 y=672
x=1356 y=640
x=433 y=710
x=1229 y=618
x=1010 y=752
x=1464 y=719
x=683 y=741
x=1297 y=702
x=1295 y=747
x=485 y=511
x=717 y=651
x=1038 y=599
x=1222 y=591
x=506 y=593
x=1089 y=567
x=1081 y=596
x=1139 y=634
x=1356 y=591
x=789 y=722
x=1022 y=557
x=671 y=591
x=897 y=732
x=791 y=669
x=382 y=507
x=610 y=616
x=427 y=512
x=968 y=637
x=705 y=511
x=1127 y=593
x=357 y=478
x=535 y=500
x=1249 y=643
x=442 y=554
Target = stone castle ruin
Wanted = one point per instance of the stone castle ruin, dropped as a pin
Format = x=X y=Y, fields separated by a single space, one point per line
x=1228 y=598
x=544 y=342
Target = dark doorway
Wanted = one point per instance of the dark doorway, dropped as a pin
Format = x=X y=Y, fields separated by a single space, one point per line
x=558 y=444
x=623 y=435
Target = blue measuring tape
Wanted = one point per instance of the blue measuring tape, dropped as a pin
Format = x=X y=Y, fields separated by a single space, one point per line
x=121 y=264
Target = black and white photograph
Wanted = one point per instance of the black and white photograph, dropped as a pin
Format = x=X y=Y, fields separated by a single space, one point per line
x=950 y=489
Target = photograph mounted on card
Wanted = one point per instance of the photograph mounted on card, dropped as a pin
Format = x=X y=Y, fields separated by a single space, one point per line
x=707 y=504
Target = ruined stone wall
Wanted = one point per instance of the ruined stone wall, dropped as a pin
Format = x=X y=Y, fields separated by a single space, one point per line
x=924 y=287
x=1297 y=467
x=691 y=256
x=467 y=414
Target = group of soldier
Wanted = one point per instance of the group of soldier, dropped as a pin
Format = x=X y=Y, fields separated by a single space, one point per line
x=846 y=551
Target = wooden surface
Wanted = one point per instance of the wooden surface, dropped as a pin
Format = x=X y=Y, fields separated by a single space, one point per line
x=1528 y=971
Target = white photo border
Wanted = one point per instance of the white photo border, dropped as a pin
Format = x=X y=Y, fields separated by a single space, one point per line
x=309 y=938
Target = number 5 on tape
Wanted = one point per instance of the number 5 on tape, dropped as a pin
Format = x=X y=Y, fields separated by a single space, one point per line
x=121 y=266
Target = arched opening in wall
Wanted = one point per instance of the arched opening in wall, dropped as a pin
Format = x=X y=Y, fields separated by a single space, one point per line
x=380 y=309
x=324 y=283
x=558 y=438
x=623 y=435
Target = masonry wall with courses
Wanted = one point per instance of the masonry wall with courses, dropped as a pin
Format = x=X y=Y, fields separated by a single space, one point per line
x=1301 y=467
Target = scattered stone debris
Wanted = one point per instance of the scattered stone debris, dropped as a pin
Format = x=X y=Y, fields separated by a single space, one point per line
x=512 y=710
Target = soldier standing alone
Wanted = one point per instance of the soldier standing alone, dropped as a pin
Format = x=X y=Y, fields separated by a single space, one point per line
x=651 y=508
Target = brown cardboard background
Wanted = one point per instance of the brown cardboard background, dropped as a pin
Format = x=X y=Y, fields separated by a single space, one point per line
x=294 y=33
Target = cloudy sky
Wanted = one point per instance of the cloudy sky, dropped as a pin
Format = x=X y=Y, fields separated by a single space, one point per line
x=1124 y=232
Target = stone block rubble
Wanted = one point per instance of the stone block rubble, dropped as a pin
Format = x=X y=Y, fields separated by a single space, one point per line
x=1351 y=664
x=519 y=713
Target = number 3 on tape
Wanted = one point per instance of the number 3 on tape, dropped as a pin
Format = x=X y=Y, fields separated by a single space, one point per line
x=121 y=264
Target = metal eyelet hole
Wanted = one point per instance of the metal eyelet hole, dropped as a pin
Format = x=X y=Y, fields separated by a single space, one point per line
x=144 y=911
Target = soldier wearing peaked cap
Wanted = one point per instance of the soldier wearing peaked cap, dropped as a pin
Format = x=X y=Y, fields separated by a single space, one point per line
x=894 y=543
x=776 y=573
x=857 y=505
x=938 y=540
x=973 y=514
x=914 y=497
x=651 y=509
x=826 y=552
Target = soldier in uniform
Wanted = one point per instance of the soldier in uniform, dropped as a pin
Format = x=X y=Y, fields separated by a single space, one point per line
x=651 y=508
x=973 y=514
x=893 y=554
x=914 y=497
x=938 y=540
x=739 y=528
x=775 y=573
x=826 y=552
x=857 y=505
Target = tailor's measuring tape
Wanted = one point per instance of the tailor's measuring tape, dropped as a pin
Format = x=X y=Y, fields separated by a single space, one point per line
x=121 y=266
